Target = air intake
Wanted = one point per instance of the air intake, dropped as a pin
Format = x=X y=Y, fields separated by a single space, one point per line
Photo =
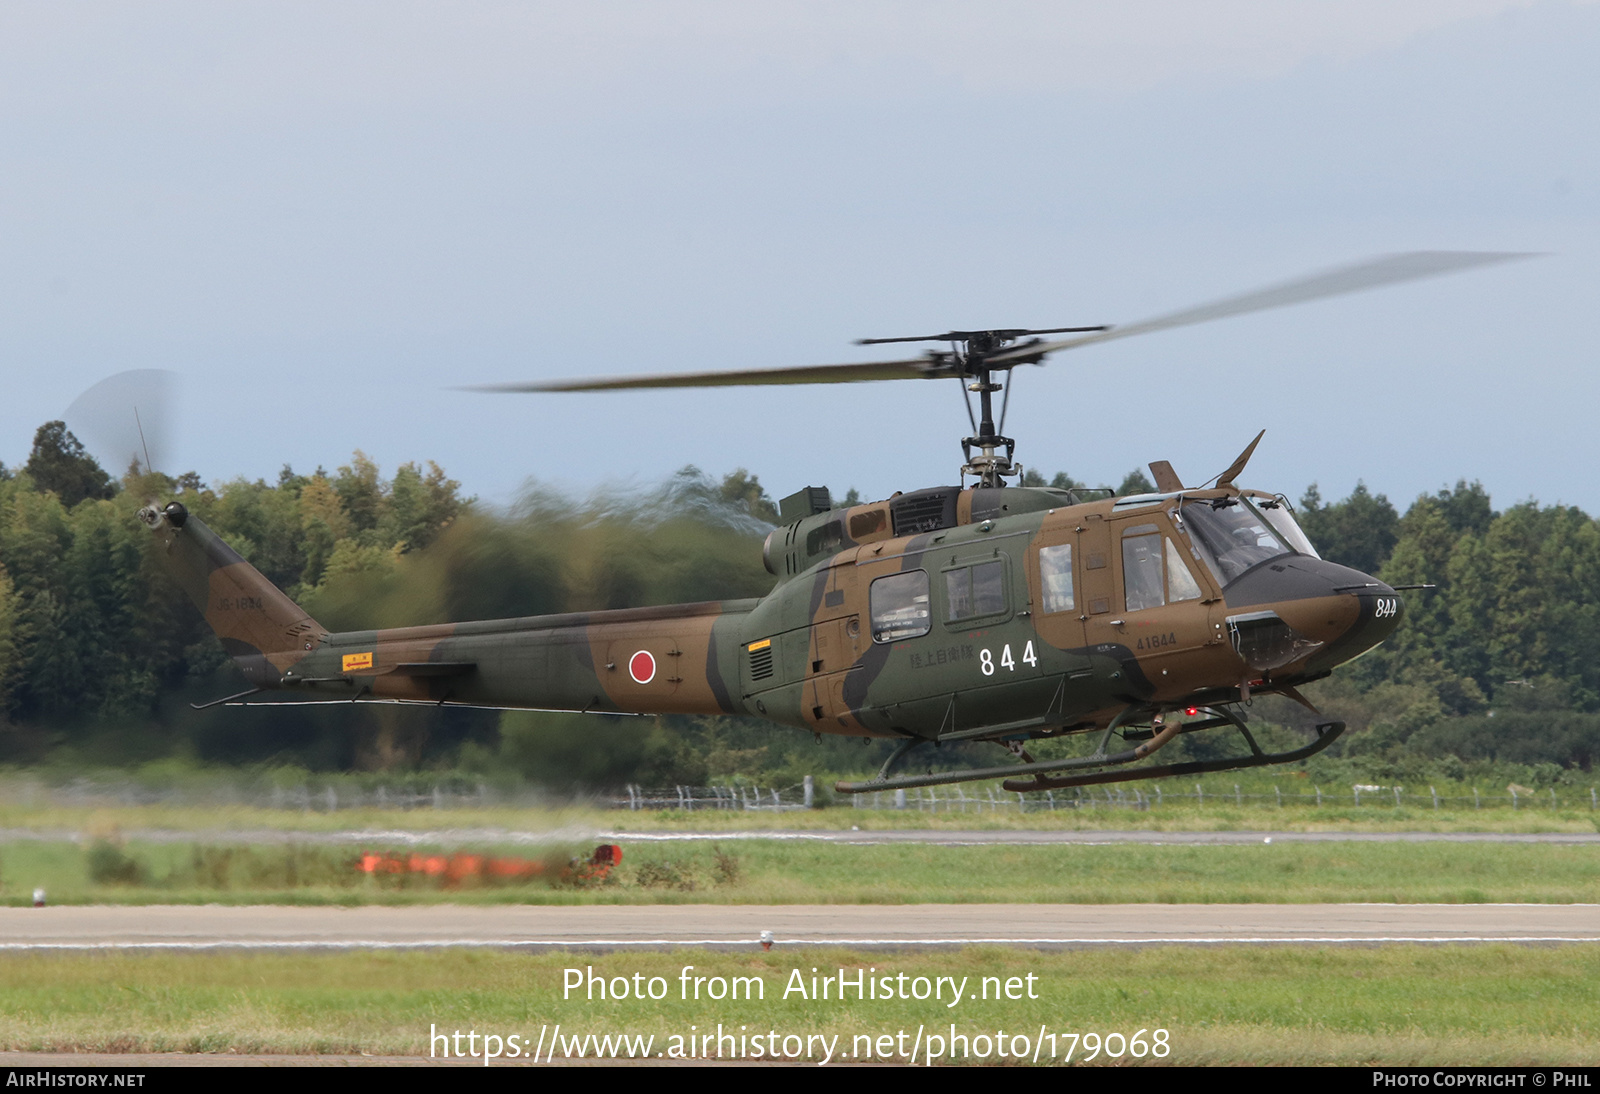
x=761 y=660
x=924 y=510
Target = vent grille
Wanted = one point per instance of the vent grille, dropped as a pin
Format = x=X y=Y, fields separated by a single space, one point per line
x=761 y=662
x=923 y=511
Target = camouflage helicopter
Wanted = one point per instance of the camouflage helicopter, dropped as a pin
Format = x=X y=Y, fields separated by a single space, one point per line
x=981 y=612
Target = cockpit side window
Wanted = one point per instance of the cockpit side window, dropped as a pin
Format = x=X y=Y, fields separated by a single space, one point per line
x=1142 y=580
x=1154 y=571
x=1231 y=537
x=1181 y=584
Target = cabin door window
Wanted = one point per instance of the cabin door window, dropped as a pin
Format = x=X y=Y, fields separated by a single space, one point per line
x=899 y=605
x=1055 y=577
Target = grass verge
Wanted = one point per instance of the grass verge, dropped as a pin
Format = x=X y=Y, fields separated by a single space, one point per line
x=1439 y=1005
x=1218 y=813
x=801 y=872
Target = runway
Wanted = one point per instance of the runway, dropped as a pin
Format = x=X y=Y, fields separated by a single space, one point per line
x=613 y=927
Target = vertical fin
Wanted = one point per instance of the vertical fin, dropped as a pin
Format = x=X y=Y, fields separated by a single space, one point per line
x=260 y=627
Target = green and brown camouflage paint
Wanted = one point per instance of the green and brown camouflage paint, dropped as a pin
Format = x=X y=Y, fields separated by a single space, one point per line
x=805 y=655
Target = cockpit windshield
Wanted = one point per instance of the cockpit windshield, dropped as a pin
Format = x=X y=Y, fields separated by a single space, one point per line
x=1231 y=536
x=1281 y=517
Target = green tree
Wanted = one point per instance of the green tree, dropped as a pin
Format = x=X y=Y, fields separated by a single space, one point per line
x=423 y=506
x=1466 y=508
x=742 y=489
x=264 y=524
x=1135 y=482
x=60 y=464
x=1359 y=531
x=363 y=496
x=324 y=522
x=1471 y=606
x=10 y=663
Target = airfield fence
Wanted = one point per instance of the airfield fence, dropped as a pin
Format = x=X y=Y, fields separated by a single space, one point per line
x=743 y=798
x=321 y=796
x=956 y=799
x=339 y=795
x=992 y=799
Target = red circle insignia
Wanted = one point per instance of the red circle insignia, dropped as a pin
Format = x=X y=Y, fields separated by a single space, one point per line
x=642 y=667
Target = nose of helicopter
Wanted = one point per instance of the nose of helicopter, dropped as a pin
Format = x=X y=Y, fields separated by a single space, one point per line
x=1300 y=606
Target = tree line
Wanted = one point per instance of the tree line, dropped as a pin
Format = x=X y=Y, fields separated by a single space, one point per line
x=100 y=654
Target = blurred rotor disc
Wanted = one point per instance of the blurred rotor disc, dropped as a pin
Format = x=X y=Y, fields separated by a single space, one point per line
x=125 y=419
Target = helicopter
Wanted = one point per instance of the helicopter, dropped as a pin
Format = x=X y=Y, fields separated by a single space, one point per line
x=976 y=612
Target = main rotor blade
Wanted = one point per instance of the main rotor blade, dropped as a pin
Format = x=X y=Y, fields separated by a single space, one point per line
x=1371 y=274
x=914 y=369
x=1388 y=270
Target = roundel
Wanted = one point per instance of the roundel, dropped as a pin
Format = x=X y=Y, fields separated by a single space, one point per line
x=642 y=667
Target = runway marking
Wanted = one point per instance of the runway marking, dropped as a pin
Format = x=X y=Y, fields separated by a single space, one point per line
x=1046 y=837
x=511 y=943
x=869 y=838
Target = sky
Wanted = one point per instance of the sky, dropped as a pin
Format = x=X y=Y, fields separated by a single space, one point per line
x=325 y=218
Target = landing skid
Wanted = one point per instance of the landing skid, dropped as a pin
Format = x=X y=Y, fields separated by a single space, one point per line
x=1327 y=733
x=1022 y=778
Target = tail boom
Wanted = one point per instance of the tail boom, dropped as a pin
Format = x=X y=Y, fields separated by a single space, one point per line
x=643 y=661
x=680 y=658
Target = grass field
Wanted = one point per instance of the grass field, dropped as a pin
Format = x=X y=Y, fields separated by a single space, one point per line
x=1217 y=813
x=1394 y=1005
x=1228 y=1005
x=801 y=872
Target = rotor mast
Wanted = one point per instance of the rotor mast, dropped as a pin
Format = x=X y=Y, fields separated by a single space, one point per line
x=988 y=467
x=969 y=360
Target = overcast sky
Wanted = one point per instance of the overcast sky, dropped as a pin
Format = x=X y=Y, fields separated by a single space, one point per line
x=323 y=216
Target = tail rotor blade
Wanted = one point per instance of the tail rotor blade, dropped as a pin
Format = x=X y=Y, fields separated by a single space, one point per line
x=124 y=419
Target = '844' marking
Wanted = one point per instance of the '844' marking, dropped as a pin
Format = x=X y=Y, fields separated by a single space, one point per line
x=986 y=660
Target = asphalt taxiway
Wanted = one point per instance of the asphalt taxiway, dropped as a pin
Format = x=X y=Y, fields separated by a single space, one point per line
x=608 y=927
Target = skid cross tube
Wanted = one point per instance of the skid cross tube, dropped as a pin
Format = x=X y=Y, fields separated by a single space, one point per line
x=1099 y=759
x=1327 y=733
x=900 y=753
x=1021 y=778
